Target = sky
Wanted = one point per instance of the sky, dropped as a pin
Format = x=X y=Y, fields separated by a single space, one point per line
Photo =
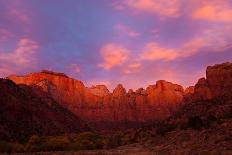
x=132 y=42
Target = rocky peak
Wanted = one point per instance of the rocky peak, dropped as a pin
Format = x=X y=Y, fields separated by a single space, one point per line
x=163 y=85
x=164 y=92
x=218 y=82
x=119 y=91
x=189 y=90
x=219 y=78
x=99 y=90
x=130 y=92
x=53 y=73
x=67 y=91
x=141 y=91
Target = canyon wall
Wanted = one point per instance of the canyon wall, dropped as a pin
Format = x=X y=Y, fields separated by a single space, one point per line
x=103 y=109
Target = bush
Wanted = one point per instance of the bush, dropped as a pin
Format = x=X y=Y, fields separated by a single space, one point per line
x=163 y=128
x=7 y=147
x=195 y=123
x=210 y=121
x=88 y=140
x=114 y=140
x=71 y=142
x=32 y=144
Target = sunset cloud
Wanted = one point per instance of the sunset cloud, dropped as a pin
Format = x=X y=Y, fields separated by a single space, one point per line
x=5 y=70
x=132 y=68
x=23 y=56
x=168 y=8
x=153 y=51
x=124 y=30
x=215 y=11
x=113 y=55
x=75 y=68
x=211 y=40
x=5 y=34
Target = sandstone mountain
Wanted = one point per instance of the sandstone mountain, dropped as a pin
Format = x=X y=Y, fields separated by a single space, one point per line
x=102 y=109
x=195 y=120
x=218 y=83
x=120 y=109
x=26 y=111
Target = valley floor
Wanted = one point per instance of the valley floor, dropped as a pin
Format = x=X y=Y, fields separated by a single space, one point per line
x=216 y=140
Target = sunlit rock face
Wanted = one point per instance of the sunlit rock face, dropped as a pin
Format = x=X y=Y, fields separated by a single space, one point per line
x=165 y=96
x=69 y=92
x=64 y=89
x=189 y=90
x=165 y=92
x=99 y=90
x=119 y=91
x=102 y=109
x=219 y=79
x=218 y=82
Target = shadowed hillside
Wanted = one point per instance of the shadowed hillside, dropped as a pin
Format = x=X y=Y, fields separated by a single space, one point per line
x=26 y=111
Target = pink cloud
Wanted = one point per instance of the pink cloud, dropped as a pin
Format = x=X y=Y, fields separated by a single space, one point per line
x=20 y=15
x=25 y=51
x=214 y=39
x=5 y=70
x=122 y=29
x=19 y=12
x=132 y=68
x=152 y=51
x=5 y=35
x=22 y=57
x=75 y=68
x=168 y=8
x=113 y=55
x=215 y=11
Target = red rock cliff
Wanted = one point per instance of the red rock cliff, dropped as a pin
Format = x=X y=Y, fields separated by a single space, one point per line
x=218 y=82
x=99 y=107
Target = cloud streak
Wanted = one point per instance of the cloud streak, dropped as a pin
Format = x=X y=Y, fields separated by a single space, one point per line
x=113 y=55
x=168 y=8
x=152 y=51
x=24 y=56
x=124 y=30
x=214 y=11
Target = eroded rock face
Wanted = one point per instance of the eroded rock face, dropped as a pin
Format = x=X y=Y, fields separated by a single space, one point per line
x=218 y=82
x=119 y=91
x=102 y=109
x=64 y=88
x=99 y=90
x=165 y=92
x=189 y=90
x=219 y=79
x=69 y=92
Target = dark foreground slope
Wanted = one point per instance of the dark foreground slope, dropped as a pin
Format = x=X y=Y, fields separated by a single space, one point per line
x=25 y=111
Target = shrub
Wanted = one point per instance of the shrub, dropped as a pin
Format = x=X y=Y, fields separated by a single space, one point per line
x=114 y=140
x=195 y=123
x=163 y=128
x=7 y=147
